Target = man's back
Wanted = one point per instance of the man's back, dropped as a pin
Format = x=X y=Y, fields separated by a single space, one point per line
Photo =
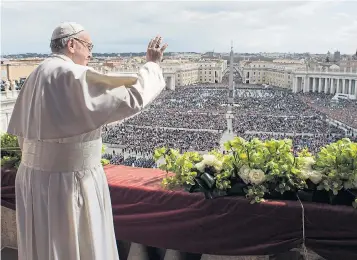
x=62 y=198
x=46 y=97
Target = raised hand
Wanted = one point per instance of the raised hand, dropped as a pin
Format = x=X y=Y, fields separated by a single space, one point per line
x=154 y=52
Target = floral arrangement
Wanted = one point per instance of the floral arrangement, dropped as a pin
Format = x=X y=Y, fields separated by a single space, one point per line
x=10 y=151
x=104 y=161
x=266 y=170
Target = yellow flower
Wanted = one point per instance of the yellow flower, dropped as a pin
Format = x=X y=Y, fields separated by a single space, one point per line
x=243 y=156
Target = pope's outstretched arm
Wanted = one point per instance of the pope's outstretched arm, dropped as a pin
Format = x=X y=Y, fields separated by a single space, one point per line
x=132 y=95
x=62 y=99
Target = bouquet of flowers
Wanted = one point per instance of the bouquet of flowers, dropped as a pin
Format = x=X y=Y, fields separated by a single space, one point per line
x=262 y=169
x=10 y=151
x=337 y=165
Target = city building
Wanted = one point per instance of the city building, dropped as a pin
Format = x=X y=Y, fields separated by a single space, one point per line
x=177 y=72
x=348 y=64
x=337 y=56
x=277 y=73
x=300 y=76
x=332 y=80
x=181 y=72
x=15 y=70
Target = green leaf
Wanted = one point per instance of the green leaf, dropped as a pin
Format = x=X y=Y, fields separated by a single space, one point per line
x=104 y=162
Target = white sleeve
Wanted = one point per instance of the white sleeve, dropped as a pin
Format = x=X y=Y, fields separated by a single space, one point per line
x=73 y=99
x=121 y=102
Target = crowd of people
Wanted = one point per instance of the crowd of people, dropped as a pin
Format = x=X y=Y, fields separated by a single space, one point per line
x=270 y=102
x=192 y=118
x=344 y=111
x=118 y=159
x=160 y=118
x=284 y=124
x=207 y=98
x=211 y=99
x=145 y=140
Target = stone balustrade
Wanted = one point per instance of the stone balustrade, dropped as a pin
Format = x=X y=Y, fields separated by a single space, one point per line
x=328 y=83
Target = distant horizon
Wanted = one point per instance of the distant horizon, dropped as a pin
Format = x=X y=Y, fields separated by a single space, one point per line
x=184 y=52
x=123 y=27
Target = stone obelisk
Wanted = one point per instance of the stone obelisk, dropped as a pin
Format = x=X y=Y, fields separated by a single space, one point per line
x=229 y=115
x=229 y=134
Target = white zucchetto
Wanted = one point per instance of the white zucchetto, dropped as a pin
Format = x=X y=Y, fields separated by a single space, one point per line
x=66 y=29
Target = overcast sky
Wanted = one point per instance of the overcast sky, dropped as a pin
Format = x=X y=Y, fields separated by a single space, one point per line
x=254 y=26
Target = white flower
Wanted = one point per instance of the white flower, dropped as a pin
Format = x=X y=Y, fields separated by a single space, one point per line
x=209 y=159
x=305 y=175
x=315 y=177
x=200 y=166
x=308 y=163
x=308 y=173
x=243 y=173
x=256 y=176
x=161 y=160
x=218 y=166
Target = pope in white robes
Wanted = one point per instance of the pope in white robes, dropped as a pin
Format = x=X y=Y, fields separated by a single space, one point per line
x=63 y=203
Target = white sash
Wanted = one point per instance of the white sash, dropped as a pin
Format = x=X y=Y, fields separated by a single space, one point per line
x=61 y=157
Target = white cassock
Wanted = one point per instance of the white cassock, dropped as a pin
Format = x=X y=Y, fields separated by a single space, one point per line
x=63 y=203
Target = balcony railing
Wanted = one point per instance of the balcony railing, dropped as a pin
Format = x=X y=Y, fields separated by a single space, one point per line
x=327 y=71
x=351 y=71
